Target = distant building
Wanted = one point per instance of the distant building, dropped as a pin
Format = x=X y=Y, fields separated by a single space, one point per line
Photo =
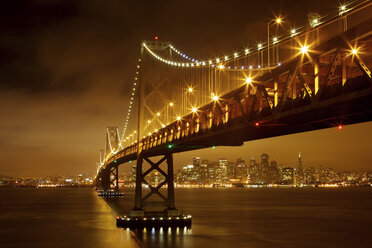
x=265 y=168
x=299 y=171
x=212 y=168
x=254 y=171
x=287 y=175
x=221 y=172
x=203 y=172
x=241 y=170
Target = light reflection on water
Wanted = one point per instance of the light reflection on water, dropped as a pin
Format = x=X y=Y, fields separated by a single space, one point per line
x=221 y=218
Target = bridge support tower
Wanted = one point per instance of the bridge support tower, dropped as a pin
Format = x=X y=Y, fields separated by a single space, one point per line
x=141 y=216
x=168 y=202
x=109 y=181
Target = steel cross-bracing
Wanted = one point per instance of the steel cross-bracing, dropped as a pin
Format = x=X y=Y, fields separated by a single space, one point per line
x=193 y=104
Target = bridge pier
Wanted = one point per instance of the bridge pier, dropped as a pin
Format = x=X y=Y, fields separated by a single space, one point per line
x=140 y=216
x=168 y=201
x=109 y=181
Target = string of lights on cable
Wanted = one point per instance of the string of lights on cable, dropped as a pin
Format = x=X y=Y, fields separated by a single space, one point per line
x=220 y=61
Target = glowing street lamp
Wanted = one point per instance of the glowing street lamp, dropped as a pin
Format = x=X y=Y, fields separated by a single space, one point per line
x=304 y=49
x=248 y=80
x=275 y=40
x=214 y=97
x=354 y=51
x=293 y=32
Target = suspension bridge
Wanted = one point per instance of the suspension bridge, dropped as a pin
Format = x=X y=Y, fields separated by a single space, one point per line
x=310 y=78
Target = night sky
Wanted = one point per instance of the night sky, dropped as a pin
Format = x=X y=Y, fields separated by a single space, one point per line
x=66 y=69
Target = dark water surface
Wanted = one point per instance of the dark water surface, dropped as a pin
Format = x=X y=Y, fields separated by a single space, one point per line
x=313 y=217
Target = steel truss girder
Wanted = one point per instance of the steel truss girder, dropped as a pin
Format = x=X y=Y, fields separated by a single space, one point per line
x=168 y=201
x=363 y=67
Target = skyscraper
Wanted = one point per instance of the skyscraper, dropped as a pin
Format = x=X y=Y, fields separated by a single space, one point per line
x=253 y=171
x=265 y=168
x=241 y=170
x=196 y=161
x=300 y=172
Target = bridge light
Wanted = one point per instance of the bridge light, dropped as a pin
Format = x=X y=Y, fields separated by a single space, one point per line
x=156 y=37
x=213 y=147
x=162 y=125
x=149 y=134
x=235 y=55
x=259 y=46
x=170 y=146
x=340 y=127
x=171 y=104
x=304 y=49
x=194 y=110
x=354 y=51
x=156 y=130
x=278 y=20
x=148 y=121
x=221 y=67
x=178 y=118
x=214 y=97
x=315 y=22
x=257 y=124
x=158 y=114
x=217 y=60
x=248 y=80
x=115 y=161
x=246 y=51
x=190 y=89
x=342 y=10
x=226 y=58
x=275 y=40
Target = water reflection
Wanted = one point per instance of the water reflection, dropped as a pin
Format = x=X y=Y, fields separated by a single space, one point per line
x=162 y=237
x=148 y=237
